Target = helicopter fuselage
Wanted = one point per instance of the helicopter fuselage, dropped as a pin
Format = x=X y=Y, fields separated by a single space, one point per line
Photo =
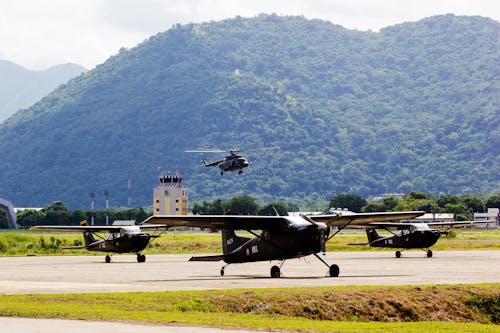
x=233 y=163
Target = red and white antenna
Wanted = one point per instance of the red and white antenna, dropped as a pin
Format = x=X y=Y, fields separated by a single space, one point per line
x=129 y=189
x=92 y=199
x=106 y=195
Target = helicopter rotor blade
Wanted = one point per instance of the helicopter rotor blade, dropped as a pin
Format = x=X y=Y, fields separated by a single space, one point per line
x=203 y=150
x=260 y=148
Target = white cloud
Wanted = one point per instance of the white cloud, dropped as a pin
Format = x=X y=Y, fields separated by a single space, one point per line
x=40 y=33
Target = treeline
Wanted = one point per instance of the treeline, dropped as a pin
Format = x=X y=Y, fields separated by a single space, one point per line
x=464 y=207
x=57 y=213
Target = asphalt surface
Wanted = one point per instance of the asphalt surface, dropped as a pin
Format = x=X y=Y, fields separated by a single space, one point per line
x=33 y=325
x=83 y=274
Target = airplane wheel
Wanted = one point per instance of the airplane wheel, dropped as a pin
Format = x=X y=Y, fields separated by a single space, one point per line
x=240 y=172
x=141 y=258
x=334 y=270
x=398 y=254
x=222 y=271
x=429 y=253
x=275 y=272
x=107 y=259
x=221 y=173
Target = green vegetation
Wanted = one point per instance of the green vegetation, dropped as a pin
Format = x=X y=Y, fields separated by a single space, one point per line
x=343 y=309
x=412 y=107
x=463 y=207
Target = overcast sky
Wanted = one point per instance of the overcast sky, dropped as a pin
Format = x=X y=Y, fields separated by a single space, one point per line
x=40 y=33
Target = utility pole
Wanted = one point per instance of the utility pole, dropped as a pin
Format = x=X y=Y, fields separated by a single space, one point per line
x=106 y=194
x=92 y=199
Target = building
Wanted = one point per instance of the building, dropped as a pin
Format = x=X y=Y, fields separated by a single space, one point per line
x=435 y=217
x=170 y=197
x=492 y=215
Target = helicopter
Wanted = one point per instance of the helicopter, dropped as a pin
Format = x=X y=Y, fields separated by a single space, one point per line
x=232 y=162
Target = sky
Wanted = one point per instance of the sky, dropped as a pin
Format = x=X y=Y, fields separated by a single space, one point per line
x=37 y=34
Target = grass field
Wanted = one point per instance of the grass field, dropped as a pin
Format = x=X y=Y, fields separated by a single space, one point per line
x=26 y=242
x=327 y=309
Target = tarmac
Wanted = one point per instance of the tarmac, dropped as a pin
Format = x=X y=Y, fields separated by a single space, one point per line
x=84 y=274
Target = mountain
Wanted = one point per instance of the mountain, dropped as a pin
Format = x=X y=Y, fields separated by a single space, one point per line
x=21 y=88
x=412 y=107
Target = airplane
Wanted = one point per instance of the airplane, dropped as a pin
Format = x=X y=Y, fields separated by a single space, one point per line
x=116 y=238
x=416 y=235
x=232 y=162
x=280 y=237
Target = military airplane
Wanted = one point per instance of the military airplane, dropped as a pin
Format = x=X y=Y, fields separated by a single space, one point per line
x=280 y=237
x=117 y=238
x=415 y=235
x=232 y=162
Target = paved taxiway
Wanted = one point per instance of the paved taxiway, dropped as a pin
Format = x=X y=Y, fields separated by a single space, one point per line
x=82 y=274
x=28 y=325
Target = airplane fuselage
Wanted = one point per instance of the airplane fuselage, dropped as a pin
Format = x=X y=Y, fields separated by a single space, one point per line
x=415 y=240
x=279 y=245
x=122 y=244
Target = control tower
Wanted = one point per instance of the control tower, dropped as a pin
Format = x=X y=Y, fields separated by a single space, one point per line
x=170 y=197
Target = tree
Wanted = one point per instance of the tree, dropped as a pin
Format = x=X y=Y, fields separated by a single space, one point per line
x=3 y=220
x=353 y=202
x=243 y=205
x=372 y=207
x=30 y=217
x=416 y=195
x=474 y=204
x=208 y=208
x=493 y=201
x=269 y=209
x=443 y=200
x=55 y=206
x=390 y=203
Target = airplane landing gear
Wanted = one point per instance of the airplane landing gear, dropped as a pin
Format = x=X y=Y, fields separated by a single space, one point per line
x=333 y=270
x=107 y=259
x=398 y=254
x=275 y=272
x=240 y=172
x=222 y=270
x=429 y=253
x=141 y=257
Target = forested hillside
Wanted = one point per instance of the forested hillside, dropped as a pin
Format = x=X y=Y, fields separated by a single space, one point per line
x=412 y=107
x=20 y=87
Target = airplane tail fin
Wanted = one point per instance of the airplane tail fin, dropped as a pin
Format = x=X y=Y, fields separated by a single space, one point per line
x=230 y=241
x=208 y=258
x=372 y=235
x=89 y=238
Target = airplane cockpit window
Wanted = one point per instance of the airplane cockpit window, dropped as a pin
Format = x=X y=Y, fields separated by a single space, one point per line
x=114 y=235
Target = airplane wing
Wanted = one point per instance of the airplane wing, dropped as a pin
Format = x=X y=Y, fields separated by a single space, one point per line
x=97 y=228
x=408 y=225
x=235 y=222
x=350 y=219
x=457 y=223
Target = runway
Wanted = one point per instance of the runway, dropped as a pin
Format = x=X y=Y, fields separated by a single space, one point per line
x=83 y=274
